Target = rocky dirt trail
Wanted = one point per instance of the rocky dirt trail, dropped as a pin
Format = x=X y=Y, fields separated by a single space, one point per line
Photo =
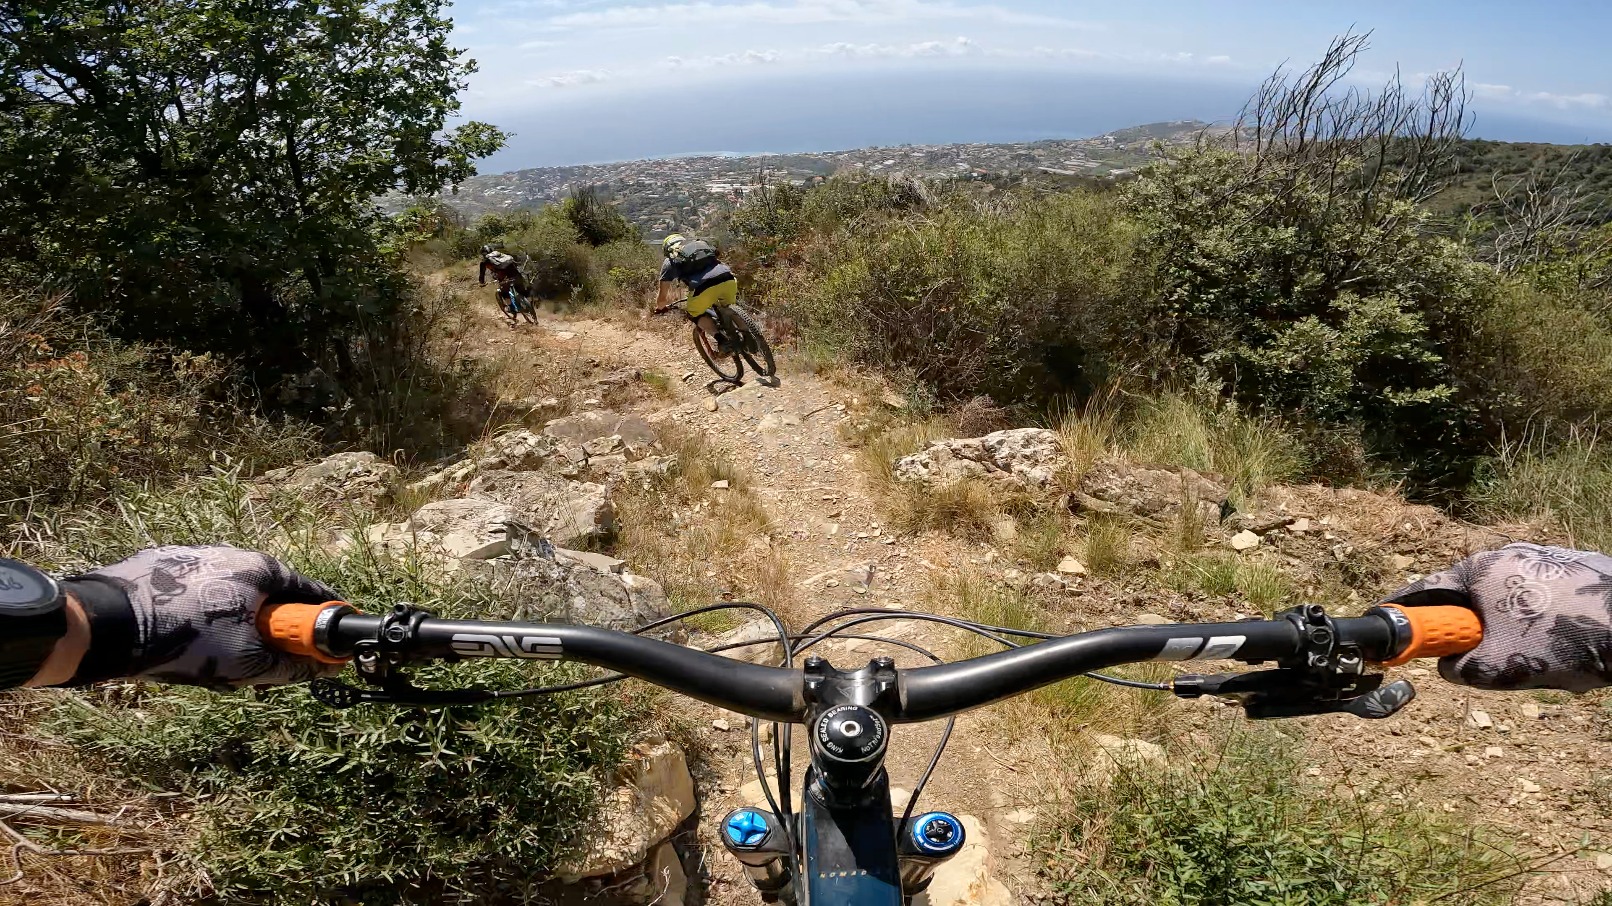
x=1539 y=765
x=787 y=439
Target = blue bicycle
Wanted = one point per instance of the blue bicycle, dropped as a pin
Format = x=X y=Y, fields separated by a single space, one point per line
x=847 y=846
x=514 y=303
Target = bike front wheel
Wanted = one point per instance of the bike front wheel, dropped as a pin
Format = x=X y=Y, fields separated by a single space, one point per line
x=752 y=344
x=527 y=309
x=727 y=366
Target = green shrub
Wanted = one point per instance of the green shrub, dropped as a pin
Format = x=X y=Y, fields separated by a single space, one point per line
x=1022 y=303
x=85 y=414
x=597 y=221
x=557 y=262
x=1542 y=358
x=845 y=198
x=295 y=803
x=626 y=271
x=1240 y=827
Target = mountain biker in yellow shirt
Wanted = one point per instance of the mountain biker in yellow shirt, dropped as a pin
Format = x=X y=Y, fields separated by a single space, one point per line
x=693 y=262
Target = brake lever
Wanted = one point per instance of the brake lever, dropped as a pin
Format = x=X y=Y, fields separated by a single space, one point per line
x=1270 y=694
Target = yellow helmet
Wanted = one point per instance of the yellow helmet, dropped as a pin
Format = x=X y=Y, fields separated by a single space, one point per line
x=670 y=243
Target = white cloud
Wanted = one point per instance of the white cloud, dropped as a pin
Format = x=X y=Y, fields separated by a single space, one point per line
x=1218 y=59
x=572 y=79
x=536 y=45
x=744 y=58
x=954 y=48
x=1588 y=100
x=803 y=12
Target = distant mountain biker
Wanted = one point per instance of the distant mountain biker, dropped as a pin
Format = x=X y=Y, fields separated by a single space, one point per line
x=507 y=271
x=694 y=263
x=188 y=615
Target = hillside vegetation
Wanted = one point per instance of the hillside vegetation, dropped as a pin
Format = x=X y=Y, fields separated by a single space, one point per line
x=1292 y=274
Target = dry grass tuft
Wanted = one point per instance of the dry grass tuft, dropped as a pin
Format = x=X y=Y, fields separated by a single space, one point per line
x=703 y=544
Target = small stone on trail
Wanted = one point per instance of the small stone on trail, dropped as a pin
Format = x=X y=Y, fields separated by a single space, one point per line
x=720 y=484
x=1494 y=752
x=1531 y=711
x=1069 y=566
x=1419 y=672
x=710 y=404
x=1479 y=720
x=1527 y=786
x=1244 y=540
x=1603 y=861
x=1150 y=619
x=1021 y=816
x=721 y=725
x=1400 y=563
x=1299 y=526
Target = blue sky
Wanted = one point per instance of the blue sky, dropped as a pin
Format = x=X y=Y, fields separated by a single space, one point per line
x=586 y=80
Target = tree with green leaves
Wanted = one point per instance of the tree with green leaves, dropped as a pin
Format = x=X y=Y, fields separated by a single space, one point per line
x=180 y=164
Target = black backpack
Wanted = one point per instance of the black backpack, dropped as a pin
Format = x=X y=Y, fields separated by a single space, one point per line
x=694 y=255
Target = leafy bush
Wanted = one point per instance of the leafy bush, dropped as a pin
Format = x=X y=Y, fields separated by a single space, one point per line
x=557 y=262
x=626 y=271
x=597 y=221
x=295 y=803
x=1021 y=304
x=85 y=414
x=1296 y=299
x=1241 y=827
x=767 y=218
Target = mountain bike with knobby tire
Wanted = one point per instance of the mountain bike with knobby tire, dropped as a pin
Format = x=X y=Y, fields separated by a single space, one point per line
x=738 y=340
x=513 y=303
x=846 y=845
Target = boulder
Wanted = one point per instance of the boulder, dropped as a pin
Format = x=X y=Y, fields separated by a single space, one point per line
x=577 y=430
x=654 y=794
x=603 y=563
x=518 y=451
x=360 y=476
x=460 y=528
x=660 y=882
x=753 y=631
x=1149 y=492
x=551 y=587
x=568 y=513
x=1026 y=457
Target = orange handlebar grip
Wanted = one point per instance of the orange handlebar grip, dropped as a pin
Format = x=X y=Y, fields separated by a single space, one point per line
x=290 y=628
x=1438 y=632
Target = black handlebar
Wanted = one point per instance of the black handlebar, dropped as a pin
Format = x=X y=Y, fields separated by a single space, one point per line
x=924 y=693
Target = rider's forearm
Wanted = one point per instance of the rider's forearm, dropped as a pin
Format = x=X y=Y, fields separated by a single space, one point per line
x=661 y=293
x=62 y=664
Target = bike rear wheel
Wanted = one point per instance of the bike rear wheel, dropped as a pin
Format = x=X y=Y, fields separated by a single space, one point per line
x=752 y=344
x=727 y=367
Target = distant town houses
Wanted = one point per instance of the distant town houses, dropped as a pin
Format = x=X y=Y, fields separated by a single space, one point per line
x=691 y=192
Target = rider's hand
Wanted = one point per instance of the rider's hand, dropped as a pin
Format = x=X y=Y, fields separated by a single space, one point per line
x=1546 y=613
x=189 y=615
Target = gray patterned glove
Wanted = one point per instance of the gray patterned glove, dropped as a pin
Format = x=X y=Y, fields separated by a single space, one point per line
x=1546 y=613
x=194 y=613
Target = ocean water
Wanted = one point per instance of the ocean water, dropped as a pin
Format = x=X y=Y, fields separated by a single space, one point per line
x=758 y=115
